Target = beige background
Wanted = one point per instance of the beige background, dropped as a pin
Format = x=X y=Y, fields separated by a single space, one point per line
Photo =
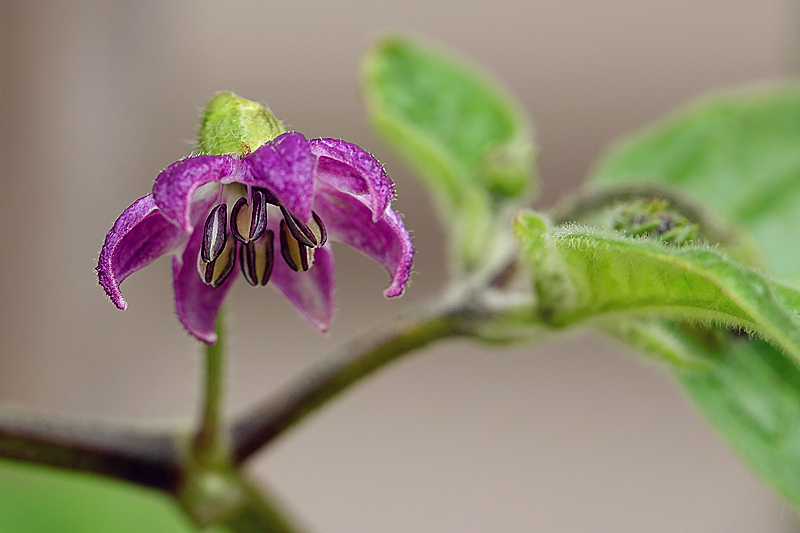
x=574 y=436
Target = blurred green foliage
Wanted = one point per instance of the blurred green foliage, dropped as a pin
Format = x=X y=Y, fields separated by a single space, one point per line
x=738 y=153
x=37 y=499
x=468 y=138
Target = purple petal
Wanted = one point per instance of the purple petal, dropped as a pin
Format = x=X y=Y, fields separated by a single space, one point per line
x=196 y=303
x=285 y=166
x=348 y=220
x=174 y=188
x=140 y=235
x=348 y=168
x=311 y=292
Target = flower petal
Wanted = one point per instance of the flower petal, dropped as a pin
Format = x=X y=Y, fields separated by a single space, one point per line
x=311 y=292
x=285 y=167
x=139 y=236
x=196 y=303
x=348 y=220
x=351 y=169
x=174 y=188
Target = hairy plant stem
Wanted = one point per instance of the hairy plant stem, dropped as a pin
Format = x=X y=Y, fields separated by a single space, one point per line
x=209 y=442
x=213 y=490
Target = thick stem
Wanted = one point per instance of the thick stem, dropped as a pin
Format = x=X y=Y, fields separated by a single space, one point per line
x=349 y=364
x=144 y=457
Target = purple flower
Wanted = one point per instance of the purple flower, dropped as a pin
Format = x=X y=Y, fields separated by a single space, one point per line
x=268 y=214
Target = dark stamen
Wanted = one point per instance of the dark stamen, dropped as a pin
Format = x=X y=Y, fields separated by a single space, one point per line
x=318 y=229
x=215 y=272
x=297 y=255
x=214 y=233
x=300 y=231
x=249 y=221
x=257 y=258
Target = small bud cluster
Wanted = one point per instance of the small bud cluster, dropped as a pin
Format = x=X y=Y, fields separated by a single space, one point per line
x=654 y=217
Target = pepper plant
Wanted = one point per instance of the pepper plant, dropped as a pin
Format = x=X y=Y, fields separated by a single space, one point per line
x=681 y=243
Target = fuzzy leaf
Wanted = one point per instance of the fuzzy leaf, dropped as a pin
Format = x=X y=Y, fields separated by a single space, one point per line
x=582 y=274
x=466 y=136
x=752 y=395
x=749 y=391
x=739 y=152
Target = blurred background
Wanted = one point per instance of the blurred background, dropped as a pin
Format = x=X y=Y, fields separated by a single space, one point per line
x=576 y=435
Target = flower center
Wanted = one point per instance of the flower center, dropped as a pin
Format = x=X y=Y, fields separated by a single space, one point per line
x=255 y=243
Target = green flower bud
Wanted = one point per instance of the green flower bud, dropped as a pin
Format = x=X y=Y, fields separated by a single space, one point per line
x=233 y=125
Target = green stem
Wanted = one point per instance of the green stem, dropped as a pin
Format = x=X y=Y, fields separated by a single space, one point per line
x=352 y=362
x=214 y=490
x=209 y=439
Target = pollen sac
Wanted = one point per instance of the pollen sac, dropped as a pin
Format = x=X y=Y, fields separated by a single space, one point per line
x=318 y=229
x=248 y=220
x=297 y=255
x=214 y=233
x=257 y=258
x=299 y=231
x=215 y=272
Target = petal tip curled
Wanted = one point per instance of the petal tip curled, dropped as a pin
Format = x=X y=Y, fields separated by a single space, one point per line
x=139 y=236
x=387 y=241
x=202 y=336
x=111 y=286
x=322 y=327
x=402 y=272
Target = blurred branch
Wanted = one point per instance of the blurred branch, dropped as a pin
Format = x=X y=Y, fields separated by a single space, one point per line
x=143 y=457
x=350 y=363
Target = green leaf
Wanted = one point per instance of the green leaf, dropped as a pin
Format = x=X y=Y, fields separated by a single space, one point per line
x=583 y=273
x=36 y=499
x=466 y=136
x=750 y=392
x=656 y=337
x=739 y=152
x=747 y=388
x=752 y=395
